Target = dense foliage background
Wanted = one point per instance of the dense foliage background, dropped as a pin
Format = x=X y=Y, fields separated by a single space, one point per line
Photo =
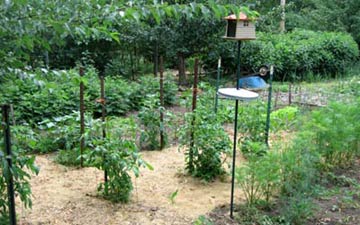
x=127 y=37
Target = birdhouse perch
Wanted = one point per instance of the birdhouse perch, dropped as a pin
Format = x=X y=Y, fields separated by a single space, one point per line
x=240 y=28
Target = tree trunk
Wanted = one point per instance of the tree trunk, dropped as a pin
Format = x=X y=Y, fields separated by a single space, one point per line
x=282 y=21
x=156 y=59
x=182 y=70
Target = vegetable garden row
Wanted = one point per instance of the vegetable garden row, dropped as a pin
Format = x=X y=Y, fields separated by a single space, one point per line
x=323 y=140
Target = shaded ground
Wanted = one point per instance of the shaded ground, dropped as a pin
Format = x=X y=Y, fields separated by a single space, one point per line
x=63 y=195
x=339 y=203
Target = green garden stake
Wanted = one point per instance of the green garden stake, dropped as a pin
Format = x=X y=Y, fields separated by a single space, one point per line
x=217 y=84
x=267 y=126
x=82 y=117
x=102 y=101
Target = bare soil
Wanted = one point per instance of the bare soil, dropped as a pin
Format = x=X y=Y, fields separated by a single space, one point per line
x=65 y=195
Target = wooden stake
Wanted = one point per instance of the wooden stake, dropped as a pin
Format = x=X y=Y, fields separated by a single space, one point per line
x=191 y=152
x=290 y=93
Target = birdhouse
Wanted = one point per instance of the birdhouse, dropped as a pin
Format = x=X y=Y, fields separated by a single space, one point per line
x=240 y=28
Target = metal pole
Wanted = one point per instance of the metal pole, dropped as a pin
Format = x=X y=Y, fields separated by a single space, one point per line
x=82 y=117
x=217 y=84
x=103 y=116
x=162 y=139
x=233 y=162
x=10 y=181
x=267 y=127
x=192 y=138
x=235 y=133
x=238 y=66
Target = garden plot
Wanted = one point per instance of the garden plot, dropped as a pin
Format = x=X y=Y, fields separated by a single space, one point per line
x=66 y=195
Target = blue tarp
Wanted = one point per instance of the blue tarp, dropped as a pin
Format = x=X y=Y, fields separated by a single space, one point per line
x=253 y=82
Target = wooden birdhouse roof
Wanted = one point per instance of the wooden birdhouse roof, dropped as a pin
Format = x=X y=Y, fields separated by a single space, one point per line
x=242 y=16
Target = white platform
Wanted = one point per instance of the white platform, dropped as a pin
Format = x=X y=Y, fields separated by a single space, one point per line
x=237 y=94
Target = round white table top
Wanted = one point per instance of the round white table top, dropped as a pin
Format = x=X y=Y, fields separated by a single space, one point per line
x=238 y=94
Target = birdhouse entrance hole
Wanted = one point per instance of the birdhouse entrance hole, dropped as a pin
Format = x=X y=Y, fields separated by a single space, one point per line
x=231 y=31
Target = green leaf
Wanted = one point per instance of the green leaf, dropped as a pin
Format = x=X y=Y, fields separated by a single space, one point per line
x=149 y=166
x=115 y=36
x=173 y=195
x=156 y=15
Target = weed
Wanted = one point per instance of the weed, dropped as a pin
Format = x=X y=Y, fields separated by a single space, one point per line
x=173 y=195
x=202 y=220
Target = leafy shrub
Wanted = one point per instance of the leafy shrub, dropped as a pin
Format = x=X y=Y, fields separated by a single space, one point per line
x=252 y=118
x=25 y=138
x=301 y=51
x=121 y=96
x=118 y=155
x=42 y=94
x=336 y=135
x=204 y=157
x=260 y=177
x=151 y=85
x=253 y=148
x=298 y=165
x=23 y=167
x=328 y=139
x=149 y=117
x=293 y=54
x=283 y=119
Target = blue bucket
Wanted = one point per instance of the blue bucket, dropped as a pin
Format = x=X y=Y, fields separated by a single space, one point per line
x=252 y=82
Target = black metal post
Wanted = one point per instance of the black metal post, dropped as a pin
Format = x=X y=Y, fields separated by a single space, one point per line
x=267 y=125
x=238 y=66
x=82 y=117
x=235 y=133
x=8 y=156
x=103 y=116
x=233 y=162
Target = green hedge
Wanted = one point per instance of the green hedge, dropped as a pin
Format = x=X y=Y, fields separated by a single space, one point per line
x=303 y=51
x=294 y=54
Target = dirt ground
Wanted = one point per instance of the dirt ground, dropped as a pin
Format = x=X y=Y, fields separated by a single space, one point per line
x=65 y=195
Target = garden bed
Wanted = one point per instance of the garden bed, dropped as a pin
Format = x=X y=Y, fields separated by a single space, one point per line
x=66 y=195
